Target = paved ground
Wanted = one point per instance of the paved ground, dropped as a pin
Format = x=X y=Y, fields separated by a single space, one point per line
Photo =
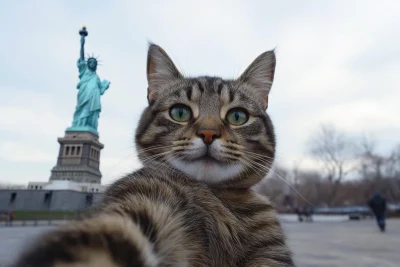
x=351 y=243
x=321 y=244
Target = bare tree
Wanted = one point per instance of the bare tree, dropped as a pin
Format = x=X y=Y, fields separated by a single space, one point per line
x=310 y=188
x=392 y=168
x=376 y=166
x=276 y=185
x=339 y=155
x=371 y=164
x=336 y=153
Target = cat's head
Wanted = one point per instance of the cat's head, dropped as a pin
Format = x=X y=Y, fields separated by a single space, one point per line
x=213 y=130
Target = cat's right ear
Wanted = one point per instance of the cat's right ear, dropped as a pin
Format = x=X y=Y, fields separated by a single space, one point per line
x=160 y=70
x=260 y=74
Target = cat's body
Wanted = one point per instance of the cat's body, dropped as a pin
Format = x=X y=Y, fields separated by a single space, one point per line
x=204 y=142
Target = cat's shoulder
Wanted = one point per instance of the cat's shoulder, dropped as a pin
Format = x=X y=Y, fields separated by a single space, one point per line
x=244 y=201
x=242 y=195
x=147 y=179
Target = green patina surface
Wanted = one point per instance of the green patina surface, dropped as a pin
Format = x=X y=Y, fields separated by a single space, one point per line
x=90 y=89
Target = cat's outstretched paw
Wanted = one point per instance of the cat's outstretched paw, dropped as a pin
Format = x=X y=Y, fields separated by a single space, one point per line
x=108 y=241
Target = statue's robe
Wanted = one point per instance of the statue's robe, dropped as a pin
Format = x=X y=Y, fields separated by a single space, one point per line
x=90 y=88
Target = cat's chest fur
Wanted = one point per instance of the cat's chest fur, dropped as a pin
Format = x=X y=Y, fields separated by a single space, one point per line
x=226 y=224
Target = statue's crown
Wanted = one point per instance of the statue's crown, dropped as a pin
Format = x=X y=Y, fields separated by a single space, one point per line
x=92 y=57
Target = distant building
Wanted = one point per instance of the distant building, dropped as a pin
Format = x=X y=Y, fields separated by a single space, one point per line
x=67 y=185
x=46 y=200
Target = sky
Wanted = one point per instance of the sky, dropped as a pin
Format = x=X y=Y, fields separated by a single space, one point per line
x=338 y=63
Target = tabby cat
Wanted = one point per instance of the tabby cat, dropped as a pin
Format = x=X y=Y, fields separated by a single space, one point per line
x=204 y=142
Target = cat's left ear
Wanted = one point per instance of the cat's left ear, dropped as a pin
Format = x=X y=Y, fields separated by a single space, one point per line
x=260 y=75
x=160 y=70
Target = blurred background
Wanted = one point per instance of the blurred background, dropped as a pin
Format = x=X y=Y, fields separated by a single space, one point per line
x=334 y=102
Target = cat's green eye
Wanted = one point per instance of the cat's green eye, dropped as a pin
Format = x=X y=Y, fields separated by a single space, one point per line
x=180 y=113
x=237 y=116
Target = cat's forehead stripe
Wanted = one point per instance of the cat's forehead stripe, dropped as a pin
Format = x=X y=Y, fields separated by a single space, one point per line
x=189 y=93
x=196 y=93
x=225 y=95
x=212 y=85
x=200 y=86
x=231 y=94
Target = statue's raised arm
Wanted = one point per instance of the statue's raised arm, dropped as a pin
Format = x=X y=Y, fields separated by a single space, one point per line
x=83 y=34
x=82 y=55
x=81 y=61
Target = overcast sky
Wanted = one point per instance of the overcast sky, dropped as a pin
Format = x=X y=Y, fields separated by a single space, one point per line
x=338 y=62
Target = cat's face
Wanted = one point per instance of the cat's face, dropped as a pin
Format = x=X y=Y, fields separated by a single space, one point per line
x=213 y=130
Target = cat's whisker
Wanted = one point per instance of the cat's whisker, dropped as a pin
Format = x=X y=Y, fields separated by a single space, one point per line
x=292 y=187
x=258 y=158
x=242 y=149
x=179 y=142
x=234 y=145
x=231 y=158
x=251 y=167
x=177 y=149
x=262 y=160
x=258 y=155
x=122 y=160
x=163 y=162
x=265 y=161
x=153 y=148
x=248 y=164
x=269 y=169
x=153 y=157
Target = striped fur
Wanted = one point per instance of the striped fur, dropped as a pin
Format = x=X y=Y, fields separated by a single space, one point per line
x=192 y=203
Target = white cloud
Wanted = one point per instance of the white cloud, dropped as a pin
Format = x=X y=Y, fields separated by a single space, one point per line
x=18 y=152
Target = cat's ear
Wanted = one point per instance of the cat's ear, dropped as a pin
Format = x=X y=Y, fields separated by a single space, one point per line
x=260 y=74
x=160 y=70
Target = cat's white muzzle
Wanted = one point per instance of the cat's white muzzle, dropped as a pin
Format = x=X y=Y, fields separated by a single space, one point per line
x=206 y=162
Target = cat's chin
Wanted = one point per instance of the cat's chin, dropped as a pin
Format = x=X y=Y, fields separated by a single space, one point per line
x=206 y=160
x=208 y=169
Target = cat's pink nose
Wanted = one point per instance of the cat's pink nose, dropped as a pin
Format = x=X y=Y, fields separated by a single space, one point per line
x=208 y=135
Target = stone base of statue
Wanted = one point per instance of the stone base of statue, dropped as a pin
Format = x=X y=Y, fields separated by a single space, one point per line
x=82 y=129
x=78 y=157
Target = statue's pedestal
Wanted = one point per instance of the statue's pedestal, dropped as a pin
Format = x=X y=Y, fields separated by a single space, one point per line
x=82 y=129
x=78 y=157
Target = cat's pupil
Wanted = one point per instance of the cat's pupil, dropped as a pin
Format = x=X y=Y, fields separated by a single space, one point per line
x=237 y=116
x=180 y=113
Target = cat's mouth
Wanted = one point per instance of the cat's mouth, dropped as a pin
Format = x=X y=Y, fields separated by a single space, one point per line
x=207 y=164
x=208 y=159
x=205 y=155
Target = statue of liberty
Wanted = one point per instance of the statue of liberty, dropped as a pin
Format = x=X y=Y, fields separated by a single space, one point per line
x=90 y=88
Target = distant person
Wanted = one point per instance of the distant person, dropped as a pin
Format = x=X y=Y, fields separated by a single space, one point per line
x=299 y=214
x=378 y=206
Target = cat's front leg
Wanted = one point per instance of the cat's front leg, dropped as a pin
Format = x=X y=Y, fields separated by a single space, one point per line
x=108 y=241
x=270 y=256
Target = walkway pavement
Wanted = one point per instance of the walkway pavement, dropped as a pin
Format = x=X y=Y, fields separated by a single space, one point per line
x=322 y=244
x=347 y=244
